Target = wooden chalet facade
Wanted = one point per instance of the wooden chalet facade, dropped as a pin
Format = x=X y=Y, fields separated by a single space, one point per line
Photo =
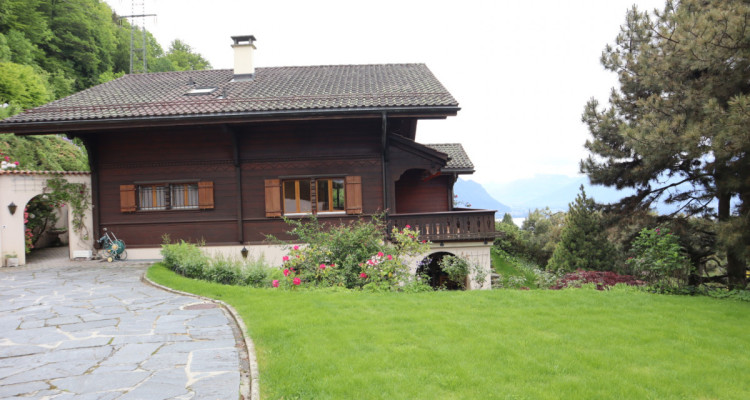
x=221 y=155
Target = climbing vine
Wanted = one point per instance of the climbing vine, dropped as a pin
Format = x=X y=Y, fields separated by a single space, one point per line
x=77 y=196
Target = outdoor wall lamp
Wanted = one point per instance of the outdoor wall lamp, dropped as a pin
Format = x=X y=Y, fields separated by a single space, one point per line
x=12 y=208
x=244 y=252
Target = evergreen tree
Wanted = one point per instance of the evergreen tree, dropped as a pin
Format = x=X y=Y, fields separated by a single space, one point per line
x=676 y=130
x=583 y=243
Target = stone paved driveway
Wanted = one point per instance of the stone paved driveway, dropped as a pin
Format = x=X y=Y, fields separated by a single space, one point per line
x=95 y=331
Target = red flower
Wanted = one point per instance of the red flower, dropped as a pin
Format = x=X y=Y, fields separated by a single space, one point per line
x=380 y=254
x=322 y=266
x=297 y=281
x=363 y=275
x=275 y=283
x=286 y=272
x=424 y=241
x=285 y=258
x=390 y=257
x=296 y=247
x=408 y=226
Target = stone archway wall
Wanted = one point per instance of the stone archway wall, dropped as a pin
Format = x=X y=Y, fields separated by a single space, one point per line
x=476 y=252
x=19 y=187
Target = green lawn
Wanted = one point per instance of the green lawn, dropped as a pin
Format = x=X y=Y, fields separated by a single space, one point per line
x=504 y=344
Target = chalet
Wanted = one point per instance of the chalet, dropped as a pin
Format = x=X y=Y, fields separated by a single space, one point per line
x=221 y=155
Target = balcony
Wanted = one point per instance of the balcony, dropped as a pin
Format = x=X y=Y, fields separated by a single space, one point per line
x=458 y=225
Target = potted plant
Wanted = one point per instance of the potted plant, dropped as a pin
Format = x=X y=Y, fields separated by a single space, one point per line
x=11 y=260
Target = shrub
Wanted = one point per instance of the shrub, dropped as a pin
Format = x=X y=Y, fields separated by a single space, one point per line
x=350 y=255
x=188 y=260
x=659 y=259
x=599 y=279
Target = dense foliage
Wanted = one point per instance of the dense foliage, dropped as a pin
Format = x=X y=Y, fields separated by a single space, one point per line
x=189 y=260
x=582 y=244
x=51 y=49
x=351 y=255
x=659 y=258
x=676 y=129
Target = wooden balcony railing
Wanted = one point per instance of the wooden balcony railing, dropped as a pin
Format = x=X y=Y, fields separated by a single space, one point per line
x=462 y=224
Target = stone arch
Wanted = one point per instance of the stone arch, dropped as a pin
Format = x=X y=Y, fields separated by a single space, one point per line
x=18 y=188
x=430 y=267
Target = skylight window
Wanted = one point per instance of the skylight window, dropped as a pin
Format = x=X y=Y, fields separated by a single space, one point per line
x=198 y=91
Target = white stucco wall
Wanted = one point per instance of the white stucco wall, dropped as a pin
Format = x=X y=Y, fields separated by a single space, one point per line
x=19 y=187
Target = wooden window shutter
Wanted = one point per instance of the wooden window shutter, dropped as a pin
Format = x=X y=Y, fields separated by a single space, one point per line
x=206 y=195
x=127 y=198
x=273 y=198
x=353 y=194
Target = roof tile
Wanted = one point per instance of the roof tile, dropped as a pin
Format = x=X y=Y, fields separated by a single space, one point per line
x=272 y=89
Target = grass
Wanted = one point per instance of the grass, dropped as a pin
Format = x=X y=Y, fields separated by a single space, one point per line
x=502 y=344
x=512 y=275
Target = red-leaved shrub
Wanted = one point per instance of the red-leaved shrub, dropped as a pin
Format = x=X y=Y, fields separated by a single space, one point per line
x=602 y=279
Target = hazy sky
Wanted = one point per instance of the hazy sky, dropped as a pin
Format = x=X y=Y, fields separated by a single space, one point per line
x=521 y=71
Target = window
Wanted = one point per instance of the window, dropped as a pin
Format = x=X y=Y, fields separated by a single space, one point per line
x=313 y=196
x=330 y=194
x=166 y=196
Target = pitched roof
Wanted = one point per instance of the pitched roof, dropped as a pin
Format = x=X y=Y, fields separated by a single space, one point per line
x=459 y=161
x=278 y=89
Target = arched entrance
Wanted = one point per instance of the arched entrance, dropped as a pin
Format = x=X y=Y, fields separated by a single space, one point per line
x=45 y=225
x=430 y=267
x=17 y=189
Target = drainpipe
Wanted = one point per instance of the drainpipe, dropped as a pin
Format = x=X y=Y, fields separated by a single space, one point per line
x=238 y=184
x=384 y=159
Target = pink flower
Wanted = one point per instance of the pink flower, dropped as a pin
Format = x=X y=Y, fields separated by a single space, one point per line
x=295 y=247
x=7 y=158
x=16 y=162
x=286 y=272
x=297 y=281
x=380 y=254
x=408 y=226
x=322 y=266
x=390 y=257
x=363 y=275
x=275 y=283
x=285 y=258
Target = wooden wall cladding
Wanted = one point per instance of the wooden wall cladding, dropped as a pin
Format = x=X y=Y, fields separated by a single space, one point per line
x=266 y=151
x=417 y=193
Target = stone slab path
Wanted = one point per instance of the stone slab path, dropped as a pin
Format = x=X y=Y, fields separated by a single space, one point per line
x=95 y=331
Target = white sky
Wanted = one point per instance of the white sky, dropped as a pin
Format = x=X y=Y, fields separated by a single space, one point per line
x=521 y=71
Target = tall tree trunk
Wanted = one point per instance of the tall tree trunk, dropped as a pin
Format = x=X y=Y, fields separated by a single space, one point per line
x=735 y=262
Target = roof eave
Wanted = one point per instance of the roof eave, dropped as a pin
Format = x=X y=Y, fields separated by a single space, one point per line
x=41 y=127
x=458 y=171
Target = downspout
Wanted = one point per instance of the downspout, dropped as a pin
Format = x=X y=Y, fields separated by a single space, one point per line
x=238 y=184
x=384 y=158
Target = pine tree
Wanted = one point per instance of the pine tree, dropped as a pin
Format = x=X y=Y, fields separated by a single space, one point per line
x=676 y=129
x=583 y=243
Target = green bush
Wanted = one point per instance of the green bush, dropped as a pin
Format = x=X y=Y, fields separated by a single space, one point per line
x=659 y=259
x=188 y=259
x=352 y=255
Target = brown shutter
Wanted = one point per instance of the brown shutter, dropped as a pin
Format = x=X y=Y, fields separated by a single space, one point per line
x=127 y=198
x=353 y=194
x=273 y=198
x=206 y=195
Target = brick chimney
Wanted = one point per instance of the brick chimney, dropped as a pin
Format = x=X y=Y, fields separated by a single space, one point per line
x=243 y=46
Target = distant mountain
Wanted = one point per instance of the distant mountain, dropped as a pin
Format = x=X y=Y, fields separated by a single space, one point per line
x=523 y=195
x=553 y=191
x=474 y=193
